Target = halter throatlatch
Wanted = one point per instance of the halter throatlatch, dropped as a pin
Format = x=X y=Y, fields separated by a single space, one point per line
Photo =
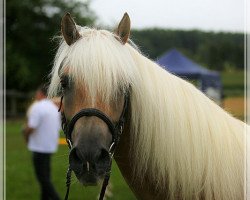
x=116 y=130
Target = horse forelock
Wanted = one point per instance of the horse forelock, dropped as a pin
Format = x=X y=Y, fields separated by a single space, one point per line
x=97 y=61
x=178 y=136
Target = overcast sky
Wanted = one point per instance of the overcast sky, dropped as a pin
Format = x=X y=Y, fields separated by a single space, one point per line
x=208 y=15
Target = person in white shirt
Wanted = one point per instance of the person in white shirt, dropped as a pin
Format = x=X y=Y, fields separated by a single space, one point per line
x=41 y=134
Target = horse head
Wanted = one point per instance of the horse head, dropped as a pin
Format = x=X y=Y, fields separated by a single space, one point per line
x=91 y=121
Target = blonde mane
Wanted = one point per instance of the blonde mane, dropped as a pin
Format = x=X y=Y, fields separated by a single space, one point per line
x=190 y=147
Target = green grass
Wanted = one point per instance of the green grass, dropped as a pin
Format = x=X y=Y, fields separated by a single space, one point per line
x=233 y=83
x=20 y=179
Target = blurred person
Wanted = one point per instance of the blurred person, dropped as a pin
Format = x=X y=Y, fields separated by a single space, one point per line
x=41 y=134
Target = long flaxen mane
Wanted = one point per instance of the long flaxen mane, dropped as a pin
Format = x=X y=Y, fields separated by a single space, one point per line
x=190 y=147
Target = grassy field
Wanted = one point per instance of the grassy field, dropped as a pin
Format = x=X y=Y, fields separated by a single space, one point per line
x=22 y=185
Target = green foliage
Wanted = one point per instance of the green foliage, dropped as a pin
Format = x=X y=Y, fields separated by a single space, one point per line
x=218 y=51
x=21 y=183
x=30 y=27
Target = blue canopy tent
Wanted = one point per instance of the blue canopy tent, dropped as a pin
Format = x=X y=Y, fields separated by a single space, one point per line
x=178 y=64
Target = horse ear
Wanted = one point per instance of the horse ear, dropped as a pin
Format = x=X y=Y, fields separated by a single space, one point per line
x=69 y=30
x=123 y=29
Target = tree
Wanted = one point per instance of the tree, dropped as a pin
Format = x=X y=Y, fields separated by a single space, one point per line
x=30 y=27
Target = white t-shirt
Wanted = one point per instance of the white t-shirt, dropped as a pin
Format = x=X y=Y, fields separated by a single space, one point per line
x=45 y=119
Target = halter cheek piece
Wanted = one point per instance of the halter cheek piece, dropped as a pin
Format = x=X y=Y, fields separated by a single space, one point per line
x=116 y=130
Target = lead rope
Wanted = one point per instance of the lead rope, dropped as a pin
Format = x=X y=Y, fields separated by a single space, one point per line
x=69 y=171
x=111 y=153
x=68 y=182
x=105 y=181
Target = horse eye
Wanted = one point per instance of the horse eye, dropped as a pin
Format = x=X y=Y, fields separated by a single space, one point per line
x=64 y=82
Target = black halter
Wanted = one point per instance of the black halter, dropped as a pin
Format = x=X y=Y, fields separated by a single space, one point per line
x=116 y=130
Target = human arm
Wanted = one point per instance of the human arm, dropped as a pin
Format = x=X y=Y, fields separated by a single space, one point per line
x=27 y=131
x=32 y=123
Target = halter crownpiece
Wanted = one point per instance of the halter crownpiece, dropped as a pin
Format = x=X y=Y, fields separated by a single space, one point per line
x=116 y=130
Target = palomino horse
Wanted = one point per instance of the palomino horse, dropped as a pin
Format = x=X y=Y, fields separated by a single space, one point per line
x=176 y=143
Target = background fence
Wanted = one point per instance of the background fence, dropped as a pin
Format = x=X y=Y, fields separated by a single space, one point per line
x=17 y=103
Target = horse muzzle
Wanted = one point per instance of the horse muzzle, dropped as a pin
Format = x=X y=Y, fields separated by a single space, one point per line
x=89 y=167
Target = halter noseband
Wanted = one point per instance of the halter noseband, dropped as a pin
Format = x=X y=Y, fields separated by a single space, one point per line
x=116 y=130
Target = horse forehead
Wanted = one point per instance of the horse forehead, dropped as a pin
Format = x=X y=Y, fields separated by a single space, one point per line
x=82 y=96
x=93 y=32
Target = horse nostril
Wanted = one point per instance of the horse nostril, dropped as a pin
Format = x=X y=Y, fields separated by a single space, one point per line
x=73 y=155
x=75 y=159
x=104 y=157
x=102 y=162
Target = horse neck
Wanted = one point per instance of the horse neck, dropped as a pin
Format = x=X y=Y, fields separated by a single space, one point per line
x=122 y=154
x=123 y=157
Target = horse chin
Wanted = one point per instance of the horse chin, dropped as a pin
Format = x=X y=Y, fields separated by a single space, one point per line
x=90 y=178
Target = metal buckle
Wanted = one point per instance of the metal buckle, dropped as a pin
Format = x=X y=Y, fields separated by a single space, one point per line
x=111 y=152
x=121 y=130
x=69 y=143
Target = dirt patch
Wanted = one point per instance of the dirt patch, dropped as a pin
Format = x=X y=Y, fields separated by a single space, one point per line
x=235 y=106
